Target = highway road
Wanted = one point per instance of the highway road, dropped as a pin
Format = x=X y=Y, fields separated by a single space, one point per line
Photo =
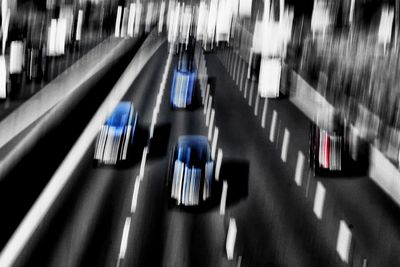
x=276 y=225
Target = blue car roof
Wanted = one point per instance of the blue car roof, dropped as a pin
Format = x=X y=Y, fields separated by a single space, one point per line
x=120 y=115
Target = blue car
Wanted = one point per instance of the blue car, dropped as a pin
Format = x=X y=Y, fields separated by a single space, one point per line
x=116 y=135
x=183 y=88
x=191 y=171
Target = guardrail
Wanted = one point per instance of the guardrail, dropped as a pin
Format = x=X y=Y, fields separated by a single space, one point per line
x=41 y=211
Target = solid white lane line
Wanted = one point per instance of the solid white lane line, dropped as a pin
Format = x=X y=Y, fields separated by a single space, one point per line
x=222 y=205
x=299 y=168
x=214 y=143
x=231 y=239
x=220 y=155
x=319 y=200
x=124 y=240
x=273 y=126
x=285 y=145
x=135 y=194
x=210 y=127
x=208 y=110
x=264 y=113
x=143 y=163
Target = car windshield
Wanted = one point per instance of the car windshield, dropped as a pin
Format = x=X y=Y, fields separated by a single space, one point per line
x=120 y=115
x=193 y=150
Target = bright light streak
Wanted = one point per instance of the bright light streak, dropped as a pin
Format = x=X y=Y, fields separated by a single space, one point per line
x=131 y=21
x=319 y=200
x=118 y=22
x=344 y=241
x=299 y=168
x=135 y=194
x=231 y=238
x=220 y=155
x=224 y=194
x=124 y=240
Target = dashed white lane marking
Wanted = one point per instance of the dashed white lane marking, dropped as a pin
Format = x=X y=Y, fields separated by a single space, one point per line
x=143 y=163
x=231 y=239
x=273 y=126
x=206 y=100
x=207 y=92
x=256 y=105
x=251 y=93
x=210 y=127
x=285 y=145
x=209 y=103
x=343 y=245
x=365 y=262
x=135 y=194
x=308 y=183
x=299 y=168
x=224 y=194
x=264 y=113
x=319 y=200
x=220 y=155
x=246 y=89
x=242 y=76
x=214 y=143
x=231 y=63
x=249 y=66
x=235 y=65
x=239 y=71
x=124 y=240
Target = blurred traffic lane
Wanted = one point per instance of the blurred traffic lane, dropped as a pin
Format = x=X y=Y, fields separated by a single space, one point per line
x=163 y=236
x=348 y=197
x=34 y=169
x=102 y=244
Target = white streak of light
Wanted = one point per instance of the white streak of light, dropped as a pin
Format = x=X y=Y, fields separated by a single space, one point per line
x=220 y=155
x=285 y=145
x=131 y=21
x=264 y=113
x=231 y=238
x=124 y=240
x=343 y=241
x=118 y=22
x=210 y=127
x=161 y=19
x=143 y=163
x=319 y=200
x=224 y=194
x=209 y=103
x=135 y=194
x=214 y=144
x=299 y=168
x=273 y=126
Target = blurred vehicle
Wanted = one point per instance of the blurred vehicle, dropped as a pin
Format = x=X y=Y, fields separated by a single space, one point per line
x=326 y=151
x=191 y=171
x=116 y=136
x=183 y=88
